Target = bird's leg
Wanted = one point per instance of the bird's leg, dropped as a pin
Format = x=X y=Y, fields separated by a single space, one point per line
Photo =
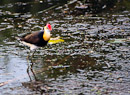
x=33 y=54
x=31 y=68
x=29 y=73
x=28 y=54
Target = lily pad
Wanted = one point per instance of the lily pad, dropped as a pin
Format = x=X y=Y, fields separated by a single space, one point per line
x=55 y=40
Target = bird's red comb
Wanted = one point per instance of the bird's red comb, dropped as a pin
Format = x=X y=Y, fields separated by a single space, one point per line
x=49 y=27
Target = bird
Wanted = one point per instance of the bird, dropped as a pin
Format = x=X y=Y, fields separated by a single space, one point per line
x=37 y=39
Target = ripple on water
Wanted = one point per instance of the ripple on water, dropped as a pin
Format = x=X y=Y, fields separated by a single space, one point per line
x=87 y=62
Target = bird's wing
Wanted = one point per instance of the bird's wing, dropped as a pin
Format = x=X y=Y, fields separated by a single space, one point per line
x=32 y=38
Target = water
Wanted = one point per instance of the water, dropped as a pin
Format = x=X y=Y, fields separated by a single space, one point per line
x=94 y=59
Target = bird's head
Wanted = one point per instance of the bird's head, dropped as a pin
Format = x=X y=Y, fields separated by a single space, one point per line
x=47 y=30
x=48 y=27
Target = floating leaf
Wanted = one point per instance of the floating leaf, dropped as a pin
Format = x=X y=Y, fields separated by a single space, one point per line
x=55 y=40
x=117 y=41
x=1 y=56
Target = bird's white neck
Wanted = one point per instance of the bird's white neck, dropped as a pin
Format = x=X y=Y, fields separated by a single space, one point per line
x=46 y=35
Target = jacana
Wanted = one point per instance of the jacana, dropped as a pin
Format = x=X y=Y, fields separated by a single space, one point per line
x=37 y=39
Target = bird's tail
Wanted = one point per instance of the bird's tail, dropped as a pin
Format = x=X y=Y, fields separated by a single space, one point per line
x=18 y=38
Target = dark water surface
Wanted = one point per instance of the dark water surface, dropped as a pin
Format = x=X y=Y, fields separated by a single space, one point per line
x=93 y=60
